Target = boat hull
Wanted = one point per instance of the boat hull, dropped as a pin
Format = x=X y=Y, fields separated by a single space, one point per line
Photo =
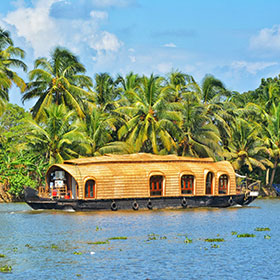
x=36 y=202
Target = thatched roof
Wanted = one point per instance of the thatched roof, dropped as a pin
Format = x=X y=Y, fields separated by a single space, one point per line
x=140 y=157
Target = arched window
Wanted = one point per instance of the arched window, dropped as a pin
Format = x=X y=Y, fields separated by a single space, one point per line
x=223 y=184
x=90 y=189
x=209 y=183
x=156 y=185
x=187 y=184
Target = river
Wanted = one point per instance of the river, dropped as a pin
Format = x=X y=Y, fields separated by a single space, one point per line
x=141 y=244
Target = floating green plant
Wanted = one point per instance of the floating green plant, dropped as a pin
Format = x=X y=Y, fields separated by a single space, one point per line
x=2 y=256
x=267 y=236
x=98 y=242
x=188 y=240
x=5 y=268
x=262 y=229
x=215 y=246
x=28 y=246
x=245 y=235
x=98 y=228
x=15 y=249
x=234 y=233
x=118 y=238
x=214 y=240
x=153 y=236
x=79 y=275
x=77 y=253
x=53 y=246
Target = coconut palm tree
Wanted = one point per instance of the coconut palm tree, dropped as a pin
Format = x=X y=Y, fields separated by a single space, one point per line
x=271 y=135
x=150 y=125
x=105 y=93
x=59 y=80
x=199 y=136
x=9 y=59
x=60 y=137
x=246 y=148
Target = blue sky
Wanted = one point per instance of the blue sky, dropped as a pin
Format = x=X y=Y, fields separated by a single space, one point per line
x=236 y=41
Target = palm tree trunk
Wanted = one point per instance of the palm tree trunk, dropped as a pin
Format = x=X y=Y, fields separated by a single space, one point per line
x=267 y=176
x=273 y=172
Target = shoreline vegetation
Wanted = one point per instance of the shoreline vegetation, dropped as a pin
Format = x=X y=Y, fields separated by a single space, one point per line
x=75 y=115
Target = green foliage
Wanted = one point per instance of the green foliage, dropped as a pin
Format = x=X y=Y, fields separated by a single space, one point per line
x=214 y=240
x=262 y=229
x=5 y=268
x=17 y=182
x=245 y=235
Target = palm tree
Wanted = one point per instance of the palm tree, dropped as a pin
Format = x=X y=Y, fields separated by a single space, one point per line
x=199 y=136
x=105 y=93
x=150 y=125
x=271 y=134
x=98 y=127
x=8 y=59
x=60 y=137
x=59 y=80
x=127 y=86
x=246 y=149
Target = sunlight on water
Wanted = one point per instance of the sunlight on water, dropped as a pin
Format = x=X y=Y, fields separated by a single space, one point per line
x=162 y=244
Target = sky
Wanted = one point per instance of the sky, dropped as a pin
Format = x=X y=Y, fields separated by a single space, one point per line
x=237 y=41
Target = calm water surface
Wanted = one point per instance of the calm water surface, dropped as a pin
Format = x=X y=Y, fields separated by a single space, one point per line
x=55 y=245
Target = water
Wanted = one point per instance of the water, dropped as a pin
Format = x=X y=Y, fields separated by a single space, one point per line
x=54 y=245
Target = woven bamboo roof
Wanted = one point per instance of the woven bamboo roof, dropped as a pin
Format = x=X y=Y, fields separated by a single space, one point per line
x=140 y=157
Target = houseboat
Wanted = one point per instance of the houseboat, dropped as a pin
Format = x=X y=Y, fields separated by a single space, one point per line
x=140 y=181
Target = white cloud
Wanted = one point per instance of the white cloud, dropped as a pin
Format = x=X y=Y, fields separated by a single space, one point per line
x=105 y=41
x=43 y=32
x=170 y=45
x=99 y=15
x=267 y=38
x=35 y=25
x=251 y=67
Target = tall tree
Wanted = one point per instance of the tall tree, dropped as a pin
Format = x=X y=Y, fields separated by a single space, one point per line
x=59 y=80
x=10 y=57
x=60 y=137
x=150 y=125
x=246 y=148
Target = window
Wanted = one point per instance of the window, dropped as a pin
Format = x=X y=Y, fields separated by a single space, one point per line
x=187 y=184
x=223 y=184
x=156 y=185
x=90 y=189
x=209 y=183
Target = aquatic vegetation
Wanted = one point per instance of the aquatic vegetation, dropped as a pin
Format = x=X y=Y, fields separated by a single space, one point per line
x=267 y=236
x=118 y=238
x=234 y=233
x=188 y=240
x=79 y=275
x=262 y=229
x=5 y=268
x=98 y=228
x=27 y=246
x=2 y=256
x=77 y=253
x=214 y=240
x=245 y=235
x=98 y=242
x=215 y=246
x=53 y=246
x=153 y=236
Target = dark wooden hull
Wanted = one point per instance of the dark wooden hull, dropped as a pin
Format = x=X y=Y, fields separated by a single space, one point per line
x=35 y=202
